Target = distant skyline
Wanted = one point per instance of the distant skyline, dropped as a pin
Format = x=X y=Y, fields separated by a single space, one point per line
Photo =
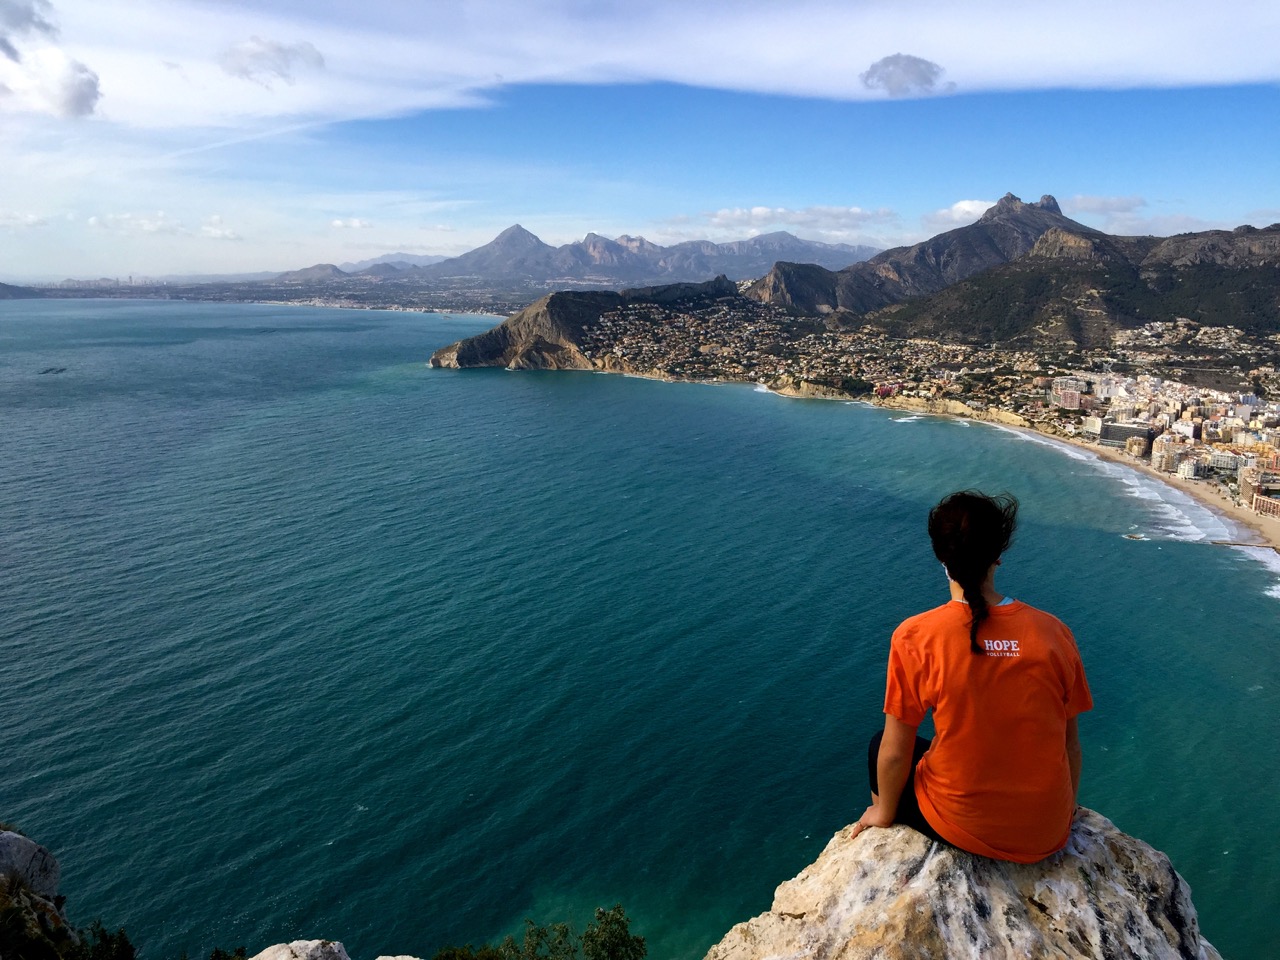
x=175 y=137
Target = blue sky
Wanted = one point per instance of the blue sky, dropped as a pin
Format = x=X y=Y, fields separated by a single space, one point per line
x=170 y=136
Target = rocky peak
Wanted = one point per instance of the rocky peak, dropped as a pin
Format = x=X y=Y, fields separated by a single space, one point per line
x=892 y=894
x=516 y=237
x=637 y=244
x=1050 y=203
x=1011 y=205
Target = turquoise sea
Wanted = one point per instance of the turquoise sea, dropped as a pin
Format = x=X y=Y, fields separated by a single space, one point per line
x=300 y=638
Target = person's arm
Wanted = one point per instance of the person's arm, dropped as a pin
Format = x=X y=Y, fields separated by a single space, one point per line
x=1075 y=758
x=892 y=769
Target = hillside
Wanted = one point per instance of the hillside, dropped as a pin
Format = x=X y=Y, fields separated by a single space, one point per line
x=549 y=333
x=321 y=271
x=1081 y=288
x=11 y=292
x=1005 y=232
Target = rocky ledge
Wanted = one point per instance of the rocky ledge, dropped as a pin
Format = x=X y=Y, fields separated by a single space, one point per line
x=892 y=895
x=887 y=894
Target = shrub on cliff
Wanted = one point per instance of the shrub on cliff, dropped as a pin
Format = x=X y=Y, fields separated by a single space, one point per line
x=608 y=937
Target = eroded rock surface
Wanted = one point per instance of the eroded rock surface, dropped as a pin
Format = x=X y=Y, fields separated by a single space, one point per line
x=304 y=950
x=34 y=865
x=892 y=894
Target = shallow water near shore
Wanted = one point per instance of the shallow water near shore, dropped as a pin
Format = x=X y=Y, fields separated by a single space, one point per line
x=305 y=639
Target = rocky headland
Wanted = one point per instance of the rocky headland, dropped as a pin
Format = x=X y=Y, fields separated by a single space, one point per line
x=550 y=333
x=888 y=894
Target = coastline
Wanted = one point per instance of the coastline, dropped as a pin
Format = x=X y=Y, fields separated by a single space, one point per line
x=1253 y=529
x=1266 y=530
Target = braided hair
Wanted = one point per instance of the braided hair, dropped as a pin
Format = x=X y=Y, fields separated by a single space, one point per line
x=969 y=531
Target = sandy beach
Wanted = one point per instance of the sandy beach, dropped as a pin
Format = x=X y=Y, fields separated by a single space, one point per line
x=1255 y=530
x=1210 y=494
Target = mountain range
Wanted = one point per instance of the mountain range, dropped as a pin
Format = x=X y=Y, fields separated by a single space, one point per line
x=516 y=256
x=1022 y=276
x=1026 y=274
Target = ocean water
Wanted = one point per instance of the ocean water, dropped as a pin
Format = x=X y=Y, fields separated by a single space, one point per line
x=300 y=638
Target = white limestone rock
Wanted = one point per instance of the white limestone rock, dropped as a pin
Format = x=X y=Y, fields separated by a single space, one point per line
x=891 y=894
x=34 y=864
x=304 y=950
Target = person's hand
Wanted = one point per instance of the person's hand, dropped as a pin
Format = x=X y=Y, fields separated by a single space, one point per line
x=874 y=816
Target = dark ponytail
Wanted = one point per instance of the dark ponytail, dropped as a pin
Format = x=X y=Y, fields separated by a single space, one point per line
x=969 y=532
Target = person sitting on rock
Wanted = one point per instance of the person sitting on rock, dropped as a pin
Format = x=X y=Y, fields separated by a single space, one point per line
x=1005 y=684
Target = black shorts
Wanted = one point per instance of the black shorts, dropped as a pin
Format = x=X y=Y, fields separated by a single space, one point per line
x=908 y=809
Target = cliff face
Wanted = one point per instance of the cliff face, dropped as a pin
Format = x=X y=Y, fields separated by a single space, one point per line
x=34 y=924
x=893 y=895
x=543 y=336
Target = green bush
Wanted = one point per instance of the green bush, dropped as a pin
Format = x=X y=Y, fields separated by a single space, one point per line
x=608 y=937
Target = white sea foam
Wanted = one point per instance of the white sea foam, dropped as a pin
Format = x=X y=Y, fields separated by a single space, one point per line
x=910 y=419
x=761 y=388
x=1075 y=453
x=1270 y=559
x=1177 y=515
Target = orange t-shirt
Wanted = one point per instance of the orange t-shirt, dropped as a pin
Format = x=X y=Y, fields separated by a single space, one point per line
x=995 y=780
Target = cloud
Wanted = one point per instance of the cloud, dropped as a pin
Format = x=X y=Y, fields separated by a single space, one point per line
x=385 y=58
x=135 y=223
x=957 y=215
x=350 y=223
x=818 y=217
x=262 y=61
x=1081 y=203
x=24 y=18
x=35 y=75
x=69 y=87
x=214 y=229
x=902 y=75
x=20 y=221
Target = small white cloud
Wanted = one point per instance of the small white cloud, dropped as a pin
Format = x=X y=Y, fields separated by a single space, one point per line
x=20 y=221
x=262 y=61
x=823 y=218
x=1106 y=205
x=351 y=223
x=137 y=223
x=214 y=229
x=902 y=75
x=958 y=214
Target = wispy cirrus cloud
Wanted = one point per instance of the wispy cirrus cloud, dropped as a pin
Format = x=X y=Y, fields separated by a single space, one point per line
x=158 y=222
x=384 y=59
x=1083 y=203
x=818 y=217
x=10 y=220
x=829 y=223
